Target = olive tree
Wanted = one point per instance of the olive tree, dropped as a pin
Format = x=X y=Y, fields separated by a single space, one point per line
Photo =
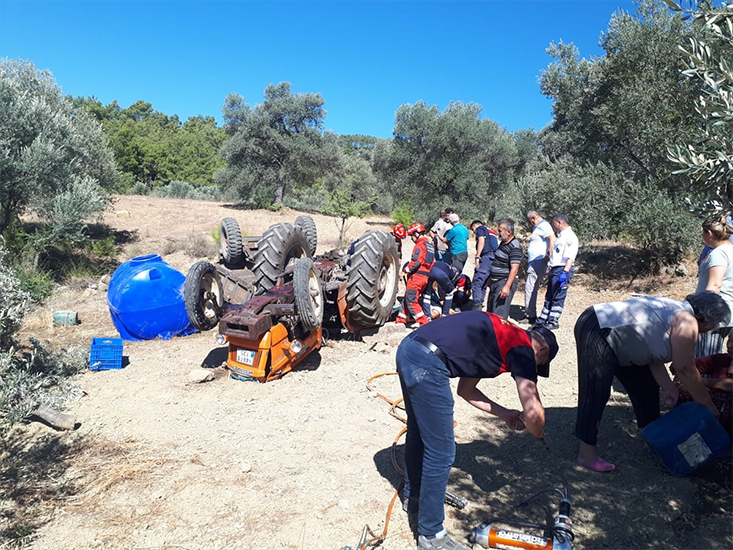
x=276 y=146
x=708 y=155
x=54 y=161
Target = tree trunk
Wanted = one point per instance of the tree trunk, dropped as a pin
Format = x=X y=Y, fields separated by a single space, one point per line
x=281 y=184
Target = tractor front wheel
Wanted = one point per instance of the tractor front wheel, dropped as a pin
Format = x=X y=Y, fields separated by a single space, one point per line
x=308 y=293
x=372 y=279
x=203 y=296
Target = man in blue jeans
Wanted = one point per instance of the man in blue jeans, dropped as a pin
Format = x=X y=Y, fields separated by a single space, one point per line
x=471 y=345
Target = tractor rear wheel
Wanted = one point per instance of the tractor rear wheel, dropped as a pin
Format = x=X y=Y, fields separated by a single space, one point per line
x=308 y=293
x=372 y=279
x=281 y=244
x=308 y=226
x=203 y=296
x=231 y=242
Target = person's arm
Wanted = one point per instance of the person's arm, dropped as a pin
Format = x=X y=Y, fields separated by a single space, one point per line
x=534 y=412
x=683 y=337
x=661 y=376
x=551 y=238
x=715 y=278
x=479 y=248
x=467 y=390
x=506 y=289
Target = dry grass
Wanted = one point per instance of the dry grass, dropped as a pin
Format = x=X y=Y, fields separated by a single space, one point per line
x=39 y=473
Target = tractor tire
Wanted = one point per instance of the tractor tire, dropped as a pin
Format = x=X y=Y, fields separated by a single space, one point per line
x=308 y=226
x=280 y=245
x=371 y=289
x=203 y=295
x=308 y=293
x=231 y=242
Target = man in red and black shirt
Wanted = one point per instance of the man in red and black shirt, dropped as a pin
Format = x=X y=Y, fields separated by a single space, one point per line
x=470 y=346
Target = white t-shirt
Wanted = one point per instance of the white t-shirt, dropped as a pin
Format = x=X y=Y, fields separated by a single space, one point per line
x=640 y=328
x=439 y=228
x=566 y=248
x=538 y=241
x=719 y=256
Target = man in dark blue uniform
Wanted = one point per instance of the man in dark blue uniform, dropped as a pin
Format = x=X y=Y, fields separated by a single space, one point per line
x=446 y=277
x=471 y=346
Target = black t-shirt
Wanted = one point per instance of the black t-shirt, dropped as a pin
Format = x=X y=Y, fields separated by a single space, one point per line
x=478 y=344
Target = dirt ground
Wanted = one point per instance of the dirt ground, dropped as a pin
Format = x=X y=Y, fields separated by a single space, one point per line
x=305 y=462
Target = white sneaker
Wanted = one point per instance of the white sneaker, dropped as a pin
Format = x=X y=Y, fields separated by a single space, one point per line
x=439 y=543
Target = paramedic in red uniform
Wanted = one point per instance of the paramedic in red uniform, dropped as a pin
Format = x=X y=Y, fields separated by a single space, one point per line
x=418 y=273
x=470 y=346
x=399 y=232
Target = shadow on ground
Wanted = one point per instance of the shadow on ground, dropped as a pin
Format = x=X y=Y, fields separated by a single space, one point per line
x=32 y=482
x=639 y=505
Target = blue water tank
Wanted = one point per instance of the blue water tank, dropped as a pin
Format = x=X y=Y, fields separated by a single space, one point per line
x=145 y=298
x=686 y=437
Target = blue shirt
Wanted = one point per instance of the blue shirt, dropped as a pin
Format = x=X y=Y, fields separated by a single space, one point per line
x=491 y=241
x=457 y=239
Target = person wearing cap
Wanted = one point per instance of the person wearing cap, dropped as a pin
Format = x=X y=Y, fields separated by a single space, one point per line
x=469 y=346
x=632 y=340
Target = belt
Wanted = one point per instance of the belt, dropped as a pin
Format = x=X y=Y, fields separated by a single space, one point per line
x=432 y=348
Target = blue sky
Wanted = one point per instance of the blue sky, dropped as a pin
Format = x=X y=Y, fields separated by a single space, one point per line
x=365 y=58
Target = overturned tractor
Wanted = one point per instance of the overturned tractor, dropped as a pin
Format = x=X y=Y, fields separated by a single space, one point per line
x=272 y=298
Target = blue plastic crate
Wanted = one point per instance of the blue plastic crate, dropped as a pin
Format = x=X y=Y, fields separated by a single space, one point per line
x=106 y=354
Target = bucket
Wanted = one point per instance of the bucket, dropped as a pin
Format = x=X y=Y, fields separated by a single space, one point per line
x=65 y=318
x=686 y=437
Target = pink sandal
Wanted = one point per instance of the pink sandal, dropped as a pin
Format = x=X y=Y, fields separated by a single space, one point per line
x=597 y=465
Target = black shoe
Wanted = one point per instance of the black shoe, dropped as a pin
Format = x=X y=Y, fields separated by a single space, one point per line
x=552 y=325
x=532 y=320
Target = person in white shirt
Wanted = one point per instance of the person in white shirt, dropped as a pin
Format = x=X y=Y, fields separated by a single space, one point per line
x=541 y=243
x=716 y=274
x=562 y=269
x=440 y=227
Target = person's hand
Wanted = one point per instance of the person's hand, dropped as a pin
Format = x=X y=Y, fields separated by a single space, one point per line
x=669 y=398
x=504 y=292
x=515 y=420
x=563 y=279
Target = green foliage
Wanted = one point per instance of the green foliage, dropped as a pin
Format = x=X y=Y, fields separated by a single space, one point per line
x=310 y=199
x=403 y=213
x=13 y=300
x=105 y=248
x=216 y=234
x=39 y=376
x=276 y=146
x=707 y=155
x=606 y=152
x=35 y=281
x=625 y=107
x=603 y=204
x=55 y=162
x=184 y=190
x=453 y=157
x=155 y=149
